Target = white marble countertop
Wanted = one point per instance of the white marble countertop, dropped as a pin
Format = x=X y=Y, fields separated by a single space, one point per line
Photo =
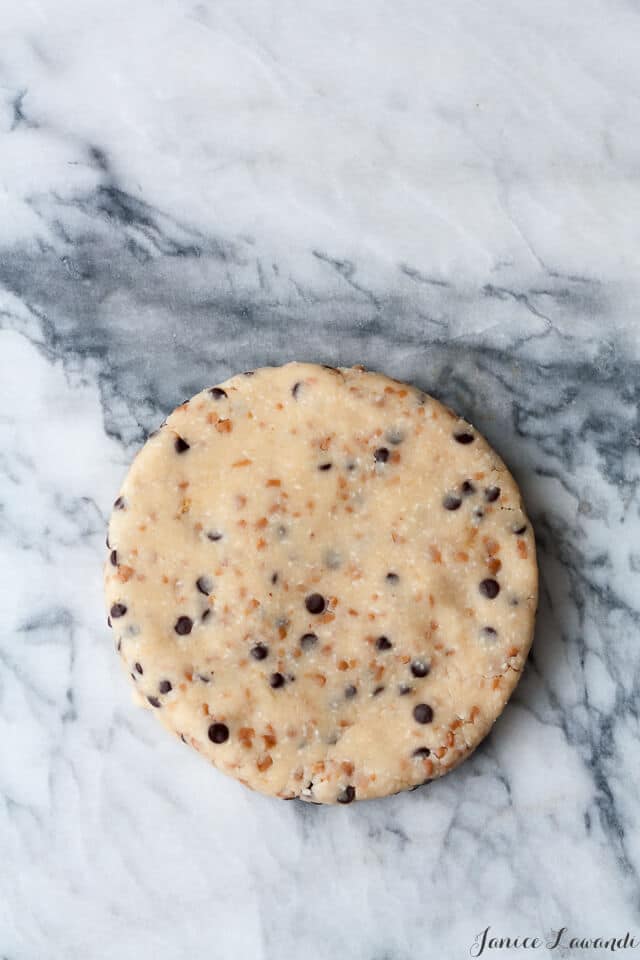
x=448 y=192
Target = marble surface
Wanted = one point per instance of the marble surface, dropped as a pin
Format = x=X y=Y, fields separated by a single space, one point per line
x=447 y=192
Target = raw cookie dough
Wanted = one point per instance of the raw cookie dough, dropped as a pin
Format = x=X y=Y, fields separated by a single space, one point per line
x=323 y=580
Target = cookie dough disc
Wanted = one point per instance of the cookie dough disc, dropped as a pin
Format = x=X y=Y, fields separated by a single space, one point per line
x=322 y=580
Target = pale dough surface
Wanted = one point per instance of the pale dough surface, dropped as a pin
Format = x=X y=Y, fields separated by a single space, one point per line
x=298 y=489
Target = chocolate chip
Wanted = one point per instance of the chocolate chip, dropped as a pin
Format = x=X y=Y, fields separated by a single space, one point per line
x=419 y=668
x=421 y=752
x=248 y=373
x=259 y=651
x=422 y=713
x=295 y=388
x=218 y=733
x=118 y=610
x=404 y=689
x=348 y=795
x=464 y=437
x=468 y=488
x=181 y=445
x=218 y=393
x=491 y=494
x=489 y=633
x=392 y=578
x=378 y=690
x=183 y=626
x=489 y=588
x=350 y=691
x=204 y=585
x=107 y=543
x=381 y=455
x=119 y=645
x=325 y=466
x=133 y=677
x=308 y=640
x=206 y=614
x=109 y=624
x=114 y=558
x=165 y=686
x=214 y=535
x=451 y=502
x=204 y=678
x=274 y=578
x=315 y=603
x=478 y=513
x=154 y=701
x=119 y=503
x=276 y=680
x=138 y=667
x=383 y=643
x=520 y=530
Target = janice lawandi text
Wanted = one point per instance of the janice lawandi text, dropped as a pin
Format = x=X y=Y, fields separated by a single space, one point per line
x=486 y=942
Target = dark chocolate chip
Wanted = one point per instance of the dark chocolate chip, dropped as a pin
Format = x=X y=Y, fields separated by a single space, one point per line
x=119 y=503
x=404 y=689
x=204 y=678
x=489 y=588
x=218 y=733
x=206 y=614
x=422 y=713
x=451 y=502
x=182 y=738
x=133 y=677
x=468 y=488
x=350 y=691
x=520 y=530
x=218 y=393
x=381 y=455
x=204 y=585
x=183 y=626
x=325 y=466
x=119 y=645
x=491 y=494
x=421 y=752
x=118 y=610
x=392 y=578
x=419 y=668
x=315 y=603
x=383 y=643
x=478 y=513
x=114 y=558
x=154 y=701
x=308 y=640
x=181 y=445
x=138 y=667
x=214 y=535
x=489 y=632
x=274 y=577
x=165 y=686
x=378 y=690
x=295 y=388
x=348 y=795
x=276 y=680
x=109 y=624
x=464 y=437
x=259 y=651
x=107 y=543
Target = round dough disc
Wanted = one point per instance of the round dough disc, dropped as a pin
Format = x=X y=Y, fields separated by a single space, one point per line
x=323 y=580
